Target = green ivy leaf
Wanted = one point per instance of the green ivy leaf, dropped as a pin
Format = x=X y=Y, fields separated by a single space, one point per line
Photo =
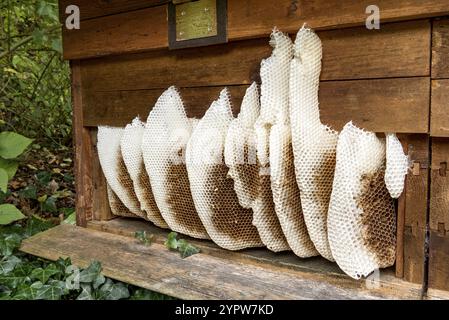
x=71 y=219
x=16 y=278
x=12 y=144
x=10 y=166
x=9 y=243
x=9 y=264
x=35 y=225
x=3 y=180
x=9 y=214
x=143 y=237
x=113 y=291
x=91 y=273
x=171 y=242
x=86 y=293
x=26 y=292
x=186 y=249
x=51 y=291
x=44 y=274
x=29 y=192
x=44 y=177
x=49 y=205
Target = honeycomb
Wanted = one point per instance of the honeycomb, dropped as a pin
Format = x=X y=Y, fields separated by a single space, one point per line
x=131 y=146
x=228 y=224
x=314 y=144
x=163 y=147
x=361 y=219
x=114 y=169
x=397 y=166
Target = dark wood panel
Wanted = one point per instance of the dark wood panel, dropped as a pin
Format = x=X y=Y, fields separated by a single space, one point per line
x=416 y=210
x=396 y=105
x=98 y=8
x=128 y=32
x=439 y=216
x=146 y=29
x=398 y=50
x=82 y=150
x=205 y=276
x=440 y=49
x=439 y=124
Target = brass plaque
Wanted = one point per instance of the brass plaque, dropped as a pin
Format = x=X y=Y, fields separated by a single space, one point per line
x=196 y=20
x=196 y=23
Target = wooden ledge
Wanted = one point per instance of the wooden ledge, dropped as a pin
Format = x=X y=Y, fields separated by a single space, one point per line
x=212 y=274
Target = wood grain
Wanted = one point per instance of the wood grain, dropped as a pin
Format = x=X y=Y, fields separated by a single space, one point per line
x=396 y=105
x=203 y=276
x=439 y=216
x=146 y=29
x=397 y=50
x=416 y=201
x=439 y=114
x=440 y=49
x=82 y=150
x=128 y=32
x=98 y=8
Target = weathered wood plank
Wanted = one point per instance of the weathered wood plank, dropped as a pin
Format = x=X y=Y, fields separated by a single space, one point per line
x=439 y=114
x=146 y=29
x=203 y=276
x=439 y=216
x=440 y=49
x=99 y=8
x=83 y=151
x=128 y=32
x=396 y=105
x=397 y=50
x=416 y=210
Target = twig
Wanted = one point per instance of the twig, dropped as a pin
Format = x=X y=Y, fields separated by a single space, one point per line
x=42 y=75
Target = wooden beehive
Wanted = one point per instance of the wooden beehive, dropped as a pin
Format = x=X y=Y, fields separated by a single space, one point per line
x=395 y=79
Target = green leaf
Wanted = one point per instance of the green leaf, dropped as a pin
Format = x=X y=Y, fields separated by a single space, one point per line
x=91 y=273
x=9 y=264
x=71 y=219
x=113 y=291
x=10 y=166
x=86 y=293
x=3 y=180
x=16 y=278
x=35 y=225
x=49 y=205
x=29 y=192
x=12 y=144
x=171 y=242
x=143 y=237
x=43 y=177
x=186 y=249
x=44 y=274
x=9 y=243
x=51 y=291
x=9 y=214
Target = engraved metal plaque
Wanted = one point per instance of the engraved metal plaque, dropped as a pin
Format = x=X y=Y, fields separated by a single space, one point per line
x=197 y=23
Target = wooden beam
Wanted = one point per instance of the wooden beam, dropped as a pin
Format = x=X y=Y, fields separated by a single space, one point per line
x=439 y=113
x=439 y=216
x=396 y=105
x=205 y=276
x=99 y=8
x=416 y=209
x=146 y=29
x=440 y=49
x=82 y=150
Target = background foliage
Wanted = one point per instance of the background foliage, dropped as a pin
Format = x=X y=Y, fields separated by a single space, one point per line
x=34 y=80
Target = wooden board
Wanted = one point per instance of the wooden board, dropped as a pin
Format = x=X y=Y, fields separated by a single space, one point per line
x=397 y=50
x=204 y=276
x=440 y=49
x=82 y=150
x=416 y=201
x=146 y=29
x=439 y=125
x=439 y=216
x=396 y=105
x=99 y=8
